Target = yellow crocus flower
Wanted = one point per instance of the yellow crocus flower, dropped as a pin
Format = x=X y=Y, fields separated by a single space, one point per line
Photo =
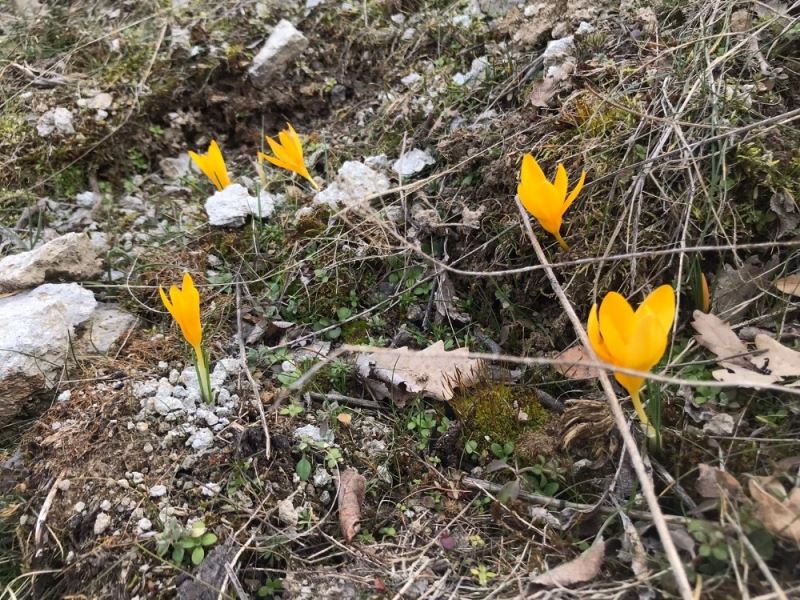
x=212 y=164
x=633 y=339
x=546 y=201
x=288 y=153
x=184 y=306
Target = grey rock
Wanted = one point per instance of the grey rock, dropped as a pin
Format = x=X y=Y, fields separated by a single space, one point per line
x=282 y=48
x=231 y=207
x=27 y=8
x=165 y=405
x=144 y=524
x=101 y=523
x=321 y=477
x=157 y=491
x=354 y=183
x=87 y=199
x=37 y=329
x=201 y=439
x=175 y=167
x=70 y=257
x=476 y=73
x=412 y=162
x=107 y=324
x=56 y=120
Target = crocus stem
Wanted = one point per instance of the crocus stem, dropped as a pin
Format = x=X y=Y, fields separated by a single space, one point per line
x=637 y=406
x=203 y=377
x=562 y=243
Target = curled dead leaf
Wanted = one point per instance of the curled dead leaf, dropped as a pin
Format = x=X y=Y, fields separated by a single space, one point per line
x=579 y=570
x=573 y=366
x=352 y=487
x=714 y=483
x=789 y=285
x=743 y=377
x=431 y=372
x=716 y=335
x=777 y=359
x=781 y=518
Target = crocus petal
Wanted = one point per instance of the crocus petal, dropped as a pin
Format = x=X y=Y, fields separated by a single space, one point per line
x=531 y=172
x=212 y=164
x=631 y=383
x=661 y=303
x=538 y=200
x=616 y=323
x=575 y=191
x=646 y=345
x=560 y=186
x=295 y=140
x=166 y=301
x=275 y=161
x=291 y=148
x=596 y=339
x=279 y=151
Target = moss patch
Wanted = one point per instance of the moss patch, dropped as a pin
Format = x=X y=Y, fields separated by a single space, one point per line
x=499 y=412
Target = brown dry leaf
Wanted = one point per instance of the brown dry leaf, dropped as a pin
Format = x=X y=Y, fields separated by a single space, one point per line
x=716 y=335
x=583 y=568
x=576 y=370
x=714 y=483
x=778 y=360
x=352 y=487
x=743 y=377
x=430 y=372
x=633 y=549
x=345 y=419
x=779 y=518
x=789 y=285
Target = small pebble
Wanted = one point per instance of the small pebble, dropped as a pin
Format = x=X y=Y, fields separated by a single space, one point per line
x=101 y=523
x=105 y=505
x=158 y=490
x=144 y=524
x=79 y=507
x=64 y=484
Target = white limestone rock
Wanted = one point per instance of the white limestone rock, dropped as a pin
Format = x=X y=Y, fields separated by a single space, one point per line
x=56 y=120
x=70 y=257
x=282 y=48
x=354 y=183
x=412 y=162
x=36 y=330
x=231 y=206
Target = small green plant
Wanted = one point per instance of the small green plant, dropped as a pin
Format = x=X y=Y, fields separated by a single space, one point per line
x=306 y=518
x=339 y=372
x=271 y=589
x=185 y=541
x=293 y=409
x=423 y=424
x=544 y=477
x=333 y=456
x=389 y=532
x=483 y=575
x=502 y=452
x=365 y=537
x=471 y=448
x=712 y=545
x=303 y=468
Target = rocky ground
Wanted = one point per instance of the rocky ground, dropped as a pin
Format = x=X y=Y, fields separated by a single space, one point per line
x=325 y=468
